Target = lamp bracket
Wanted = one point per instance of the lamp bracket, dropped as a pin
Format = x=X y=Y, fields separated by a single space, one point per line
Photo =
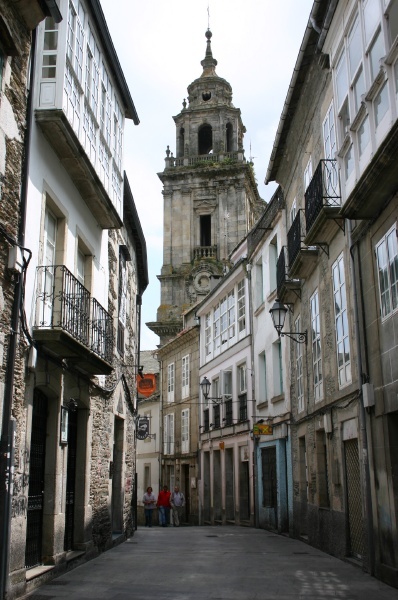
x=296 y=336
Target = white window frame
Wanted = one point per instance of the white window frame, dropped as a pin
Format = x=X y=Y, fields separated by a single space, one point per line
x=299 y=368
x=185 y=430
x=185 y=376
x=241 y=301
x=386 y=251
x=307 y=173
x=168 y=434
x=170 y=382
x=341 y=323
x=262 y=377
x=277 y=364
x=316 y=347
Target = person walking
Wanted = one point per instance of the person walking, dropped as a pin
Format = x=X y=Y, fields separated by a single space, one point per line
x=149 y=501
x=163 y=505
x=177 y=501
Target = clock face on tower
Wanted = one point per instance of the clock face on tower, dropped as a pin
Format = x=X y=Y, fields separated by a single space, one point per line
x=201 y=281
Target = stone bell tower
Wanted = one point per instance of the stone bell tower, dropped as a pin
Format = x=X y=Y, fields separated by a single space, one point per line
x=210 y=196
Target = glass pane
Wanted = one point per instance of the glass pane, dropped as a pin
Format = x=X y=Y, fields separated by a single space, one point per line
x=359 y=90
x=371 y=12
x=393 y=20
x=50 y=40
x=396 y=76
x=349 y=162
x=354 y=47
x=363 y=135
x=381 y=104
x=341 y=80
x=375 y=54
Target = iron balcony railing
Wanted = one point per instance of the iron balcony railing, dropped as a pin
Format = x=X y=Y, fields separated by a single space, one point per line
x=242 y=407
x=295 y=235
x=204 y=252
x=64 y=303
x=323 y=190
x=281 y=268
x=204 y=158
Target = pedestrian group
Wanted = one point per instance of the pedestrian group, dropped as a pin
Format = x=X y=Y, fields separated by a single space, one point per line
x=166 y=501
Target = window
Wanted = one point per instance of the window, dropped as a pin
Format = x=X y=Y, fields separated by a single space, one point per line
x=308 y=174
x=208 y=334
x=205 y=230
x=2 y=62
x=226 y=384
x=316 y=347
x=75 y=43
x=228 y=408
x=322 y=470
x=205 y=139
x=387 y=268
x=185 y=430
x=122 y=301
x=206 y=420
x=277 y=367
x=259 y=283
x=147 y=476
x=329 y=134
x=50 y=46
x=273 y=258
x=381 y=104
x=241 y=306
x=168 y=439
x=341 y=323
x=242 y=393
x=185 y=376
x=216 y=416
x=262 y=378
x=80 y=266
x=170 y=382
x=299 y=369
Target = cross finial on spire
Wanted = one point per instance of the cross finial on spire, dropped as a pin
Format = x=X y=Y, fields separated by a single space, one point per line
x=208 y=16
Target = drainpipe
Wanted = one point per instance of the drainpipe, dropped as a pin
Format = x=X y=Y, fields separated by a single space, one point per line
x=362 y=414
x=255 y=441
x=8 y=424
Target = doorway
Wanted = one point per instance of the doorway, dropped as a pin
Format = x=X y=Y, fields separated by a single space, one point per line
x=117 y=490
x=70 y=480
x=34 y=525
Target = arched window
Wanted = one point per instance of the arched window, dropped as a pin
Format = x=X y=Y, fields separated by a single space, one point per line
x=181 y=142
x=205 y=139
x=229 y=140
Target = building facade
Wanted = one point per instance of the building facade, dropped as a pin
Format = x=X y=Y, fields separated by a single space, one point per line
x=333 y=159
x=83 y=271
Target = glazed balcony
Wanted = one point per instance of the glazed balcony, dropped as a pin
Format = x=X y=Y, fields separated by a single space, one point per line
x=65 y=142
x=288 y=289
x=302 y=258
x=70 y=323
x=378 y=183
x=323 y=204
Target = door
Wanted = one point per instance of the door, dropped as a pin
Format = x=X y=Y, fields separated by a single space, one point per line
x=70 y=480
x=269 y=481
x=117 y=477
x=34 y=525
x=187 y=492
x=354 y=499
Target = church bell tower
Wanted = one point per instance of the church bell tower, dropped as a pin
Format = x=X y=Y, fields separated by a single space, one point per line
x=210 y=196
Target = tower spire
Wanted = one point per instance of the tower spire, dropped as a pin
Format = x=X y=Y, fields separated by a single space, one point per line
x=209 y=63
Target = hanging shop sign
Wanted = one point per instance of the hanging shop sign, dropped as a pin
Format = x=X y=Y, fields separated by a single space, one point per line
x=146 y=385
x=142 y=428
x=262 y=429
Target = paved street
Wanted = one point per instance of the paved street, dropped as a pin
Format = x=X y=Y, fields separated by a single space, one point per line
x=214 y=563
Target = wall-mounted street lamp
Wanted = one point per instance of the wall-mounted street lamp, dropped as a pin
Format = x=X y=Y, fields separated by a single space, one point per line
x=278 y=314
x=205 y=386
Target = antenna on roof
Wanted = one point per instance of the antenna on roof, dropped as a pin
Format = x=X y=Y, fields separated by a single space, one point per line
x=250 y=156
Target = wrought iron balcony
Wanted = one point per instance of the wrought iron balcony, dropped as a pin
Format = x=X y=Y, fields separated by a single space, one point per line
x=288 y=289
x=205 y=252
x=301 y=257
x=323 y=204
x=71 y=323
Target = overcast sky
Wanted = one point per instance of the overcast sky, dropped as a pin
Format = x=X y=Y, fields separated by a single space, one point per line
x=160 y=45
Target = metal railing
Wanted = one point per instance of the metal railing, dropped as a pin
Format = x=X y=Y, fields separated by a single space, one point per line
x=323 y=190
x=64 y=303
x=276 y=203
x=295 y=235
x=281 y=268
x=204 y=252
x=204 y=158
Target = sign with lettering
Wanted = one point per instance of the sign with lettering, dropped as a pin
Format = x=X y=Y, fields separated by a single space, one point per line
x=146 y=385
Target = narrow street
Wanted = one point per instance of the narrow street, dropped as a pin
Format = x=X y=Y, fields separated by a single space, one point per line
x=214 y=563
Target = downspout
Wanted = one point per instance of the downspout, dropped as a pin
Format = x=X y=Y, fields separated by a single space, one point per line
x=255 y=482
x=362 y=416
x=8 y=424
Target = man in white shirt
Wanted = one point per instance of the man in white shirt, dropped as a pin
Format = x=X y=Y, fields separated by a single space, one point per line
x=177 y=502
